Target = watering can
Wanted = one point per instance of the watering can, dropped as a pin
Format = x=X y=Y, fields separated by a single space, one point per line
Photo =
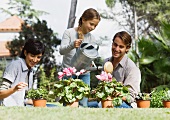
x=84 y=56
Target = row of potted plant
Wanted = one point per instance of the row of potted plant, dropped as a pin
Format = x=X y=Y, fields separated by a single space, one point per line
x=70 y=90
x=144 y=99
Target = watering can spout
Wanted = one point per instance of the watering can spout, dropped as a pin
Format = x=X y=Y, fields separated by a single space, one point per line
x=108 y=67
x=94 y=68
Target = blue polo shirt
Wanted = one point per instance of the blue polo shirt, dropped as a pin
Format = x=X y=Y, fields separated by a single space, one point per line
x=15 y=72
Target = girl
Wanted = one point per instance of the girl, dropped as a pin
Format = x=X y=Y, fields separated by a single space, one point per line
x=72 y=39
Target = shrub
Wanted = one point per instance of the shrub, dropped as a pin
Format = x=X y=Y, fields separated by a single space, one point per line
x=37 y=94
x=143 y=96
x=70 y=90
x=156 y=101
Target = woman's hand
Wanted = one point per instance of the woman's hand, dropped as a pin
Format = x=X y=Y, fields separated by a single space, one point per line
x=20 y=86
x=6 y=92
x=77 y=43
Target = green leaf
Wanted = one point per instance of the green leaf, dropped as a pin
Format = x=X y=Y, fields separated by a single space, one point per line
x=81 y=89
x=79 y=96
x=109 y=90
x=58 y=85
x=117 y=101
x=147 y=60
x=73 y=84
x=100 y=95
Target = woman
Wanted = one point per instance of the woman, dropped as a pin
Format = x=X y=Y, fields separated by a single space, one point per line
x=18 y=75
x=72 y=39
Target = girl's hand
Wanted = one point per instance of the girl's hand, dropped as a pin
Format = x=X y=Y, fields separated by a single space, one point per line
x=20 y=86
x=77 y=43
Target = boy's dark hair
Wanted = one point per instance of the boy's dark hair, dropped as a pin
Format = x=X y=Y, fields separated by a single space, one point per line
x=34 y=47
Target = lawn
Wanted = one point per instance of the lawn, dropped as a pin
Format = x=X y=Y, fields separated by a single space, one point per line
x=67 y=113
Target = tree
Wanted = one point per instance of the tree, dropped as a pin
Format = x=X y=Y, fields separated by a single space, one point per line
x=22 y=8
x=153 y=12
x=154 y=59
x=32 y=28
x=37 y=31
x=149 y=14
x=72 y=16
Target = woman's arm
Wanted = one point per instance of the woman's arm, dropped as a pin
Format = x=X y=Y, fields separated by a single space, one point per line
x=5 y=91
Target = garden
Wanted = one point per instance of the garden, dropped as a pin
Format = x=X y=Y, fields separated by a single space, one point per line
x=152 y=58
x=50 y=85
x=70 y=90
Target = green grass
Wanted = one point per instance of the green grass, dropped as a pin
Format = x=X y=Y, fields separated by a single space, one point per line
x=67 y=113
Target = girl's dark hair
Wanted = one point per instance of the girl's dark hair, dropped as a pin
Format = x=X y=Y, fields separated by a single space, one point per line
x=89 y=14
x=125 y=37
x=34 y=47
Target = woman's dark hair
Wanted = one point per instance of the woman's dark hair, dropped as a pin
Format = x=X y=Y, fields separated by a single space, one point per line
x=125 y=37
x=89 y=14
x=34 y=47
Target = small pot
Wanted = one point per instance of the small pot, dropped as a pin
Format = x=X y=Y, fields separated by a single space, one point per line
x=143 y=103
x=107 y=103
x=166 y=104
x=73 y=104
x=39 y=103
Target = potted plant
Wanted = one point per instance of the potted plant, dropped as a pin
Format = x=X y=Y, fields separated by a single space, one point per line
x=166 y=98
x=70 y=90
x=109 y=90
x=143 y=100
x=39 y=97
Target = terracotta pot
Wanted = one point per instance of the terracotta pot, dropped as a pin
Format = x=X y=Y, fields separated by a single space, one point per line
x=73 y=104
x=107 y=103
x=39 y=103
x=143 y=103
x=166 y=104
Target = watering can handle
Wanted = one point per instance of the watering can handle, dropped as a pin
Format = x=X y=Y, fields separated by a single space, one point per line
x=90 y=45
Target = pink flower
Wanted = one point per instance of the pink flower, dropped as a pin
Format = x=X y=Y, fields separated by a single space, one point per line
x=109 y=77
x=104 y=77
x=82 y=71
x=66 y=72
x=69 y=71
x=60 y=75
x=72 y=70
x=77 y=73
